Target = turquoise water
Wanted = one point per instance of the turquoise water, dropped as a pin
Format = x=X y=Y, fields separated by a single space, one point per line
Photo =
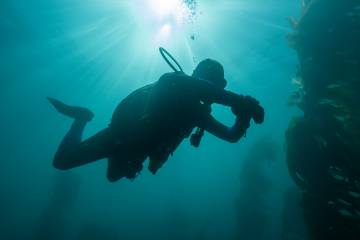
x=93 y=53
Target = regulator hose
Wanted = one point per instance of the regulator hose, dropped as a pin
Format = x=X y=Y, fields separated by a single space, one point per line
x=165 y=54
x=199 y=133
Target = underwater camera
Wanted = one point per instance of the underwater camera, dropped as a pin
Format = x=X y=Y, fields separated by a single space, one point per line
x=251 y=109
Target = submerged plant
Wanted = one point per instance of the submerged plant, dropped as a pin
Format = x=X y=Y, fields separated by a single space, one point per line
x=254 y=216
x=323 y=145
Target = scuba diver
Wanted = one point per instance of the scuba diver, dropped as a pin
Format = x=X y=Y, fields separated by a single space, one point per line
x=153 y=120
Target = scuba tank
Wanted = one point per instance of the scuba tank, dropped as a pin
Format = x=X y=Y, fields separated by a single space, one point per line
x=196 y=137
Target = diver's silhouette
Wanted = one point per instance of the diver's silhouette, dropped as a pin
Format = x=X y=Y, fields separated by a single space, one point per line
x=153 y=120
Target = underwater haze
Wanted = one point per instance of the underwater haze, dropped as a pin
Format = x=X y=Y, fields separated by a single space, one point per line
x=94 y=53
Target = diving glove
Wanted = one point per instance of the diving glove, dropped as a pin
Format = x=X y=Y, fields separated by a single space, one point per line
x=249 y=107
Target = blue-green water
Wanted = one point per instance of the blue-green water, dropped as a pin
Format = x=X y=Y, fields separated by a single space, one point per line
x=93 y=53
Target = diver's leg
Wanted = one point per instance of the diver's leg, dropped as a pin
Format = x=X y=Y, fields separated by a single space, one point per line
x=72 y=152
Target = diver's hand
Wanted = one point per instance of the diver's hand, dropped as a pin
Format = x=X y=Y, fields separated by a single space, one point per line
x=243 y=121
x=249 y=107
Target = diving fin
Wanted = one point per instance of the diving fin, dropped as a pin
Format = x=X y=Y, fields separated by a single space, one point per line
x=78 y=113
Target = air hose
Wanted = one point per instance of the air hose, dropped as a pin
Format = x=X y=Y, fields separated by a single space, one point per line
x=196 y=137
x=165 y=54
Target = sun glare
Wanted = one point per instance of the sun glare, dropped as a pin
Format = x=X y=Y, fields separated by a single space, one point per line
x=162 y=19
x=164 y=8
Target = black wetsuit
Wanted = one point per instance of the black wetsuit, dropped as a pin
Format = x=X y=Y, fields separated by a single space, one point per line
x=151 y=122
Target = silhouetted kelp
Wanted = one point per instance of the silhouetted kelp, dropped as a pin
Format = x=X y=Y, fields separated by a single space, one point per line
x=323 y=146
x=293 y=224
x=53 y=220
x=97 y=232
x=254 y=215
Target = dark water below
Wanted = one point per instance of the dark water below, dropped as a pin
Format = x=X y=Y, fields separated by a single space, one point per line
x=93 y=53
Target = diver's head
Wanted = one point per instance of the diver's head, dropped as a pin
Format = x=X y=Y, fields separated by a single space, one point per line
x=212 y=71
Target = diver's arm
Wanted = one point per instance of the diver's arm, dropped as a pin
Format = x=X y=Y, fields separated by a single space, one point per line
x=210 y=93
x=229 y=134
